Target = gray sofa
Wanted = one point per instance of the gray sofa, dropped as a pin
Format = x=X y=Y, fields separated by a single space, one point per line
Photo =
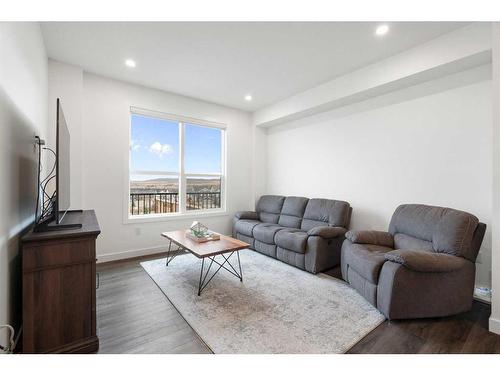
x=306 y=233
x=422 y=267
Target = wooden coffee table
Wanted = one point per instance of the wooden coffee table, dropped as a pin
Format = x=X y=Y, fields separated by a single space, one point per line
x=225 y=248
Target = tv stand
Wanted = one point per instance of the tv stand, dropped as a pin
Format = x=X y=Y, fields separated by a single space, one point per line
x=59 y=283
x=51 y=225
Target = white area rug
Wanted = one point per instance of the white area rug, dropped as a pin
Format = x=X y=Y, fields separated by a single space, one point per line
x=277 y=308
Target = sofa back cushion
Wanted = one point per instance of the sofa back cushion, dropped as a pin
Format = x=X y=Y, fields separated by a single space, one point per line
x=269 y=208
x=405 y=242
x=449 y=231
x=292 y=212
x=321 y=212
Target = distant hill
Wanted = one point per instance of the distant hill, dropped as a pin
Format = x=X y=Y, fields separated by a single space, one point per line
x=171 y=185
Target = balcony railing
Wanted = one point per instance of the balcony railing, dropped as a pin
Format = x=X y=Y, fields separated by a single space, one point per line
x=162 y=203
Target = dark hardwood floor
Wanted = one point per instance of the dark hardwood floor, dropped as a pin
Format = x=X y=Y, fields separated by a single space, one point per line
x=133 y=316
x=463 y=333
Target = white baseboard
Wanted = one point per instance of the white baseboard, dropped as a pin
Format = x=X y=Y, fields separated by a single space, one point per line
x=134 y=253
x=130 y=254
x=494 y=325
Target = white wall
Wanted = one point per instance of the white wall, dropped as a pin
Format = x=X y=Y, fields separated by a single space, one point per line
x=23 y=113
x=105 y=128
x=495 y=261
x=418 y=145
x=259 y=166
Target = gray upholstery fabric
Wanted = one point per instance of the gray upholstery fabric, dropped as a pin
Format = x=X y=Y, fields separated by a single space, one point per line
x=449 y=230
x=431 y=273
x=362 y=285
x=477 y=239
x=292 y=212
x=327 y=232
x=367 y=260
x=406 y=294
x=322 y=254
x=265 y=232
x=265 y=248
x=289 y=221
x=290 y=257
x=249 y=215
x=281 y=232
x=403 y=241
x=325 y=211
x=266 y=217
x=292 y=239
x=245 y=227
x=269 y=208
x=454 y=235
x=247 y=239
x=372 y=237
x=426 y=261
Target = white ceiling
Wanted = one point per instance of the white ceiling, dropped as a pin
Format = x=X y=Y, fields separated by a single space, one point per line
x=222 y=62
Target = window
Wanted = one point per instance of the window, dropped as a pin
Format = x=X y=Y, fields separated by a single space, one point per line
x=176 y=165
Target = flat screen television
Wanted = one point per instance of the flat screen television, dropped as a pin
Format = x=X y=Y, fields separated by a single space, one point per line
x=63 y=199
x=54 y=213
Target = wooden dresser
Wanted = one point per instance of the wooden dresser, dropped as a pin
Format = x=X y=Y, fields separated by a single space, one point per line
x=59 y=287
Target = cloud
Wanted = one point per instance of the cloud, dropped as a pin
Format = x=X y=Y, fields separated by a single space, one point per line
x=134 y=146
x=161 y=149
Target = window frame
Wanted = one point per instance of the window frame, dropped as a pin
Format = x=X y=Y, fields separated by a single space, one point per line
x=182 y=213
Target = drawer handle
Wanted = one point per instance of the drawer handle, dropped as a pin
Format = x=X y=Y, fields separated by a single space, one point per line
x=98 y=280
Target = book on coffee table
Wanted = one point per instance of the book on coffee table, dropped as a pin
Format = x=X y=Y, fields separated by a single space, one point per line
x=210 y=236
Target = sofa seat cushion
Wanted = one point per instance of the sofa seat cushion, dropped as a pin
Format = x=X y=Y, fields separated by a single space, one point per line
x=245 y=227
x=366 y=260
x=265 y=232
x=292 y=239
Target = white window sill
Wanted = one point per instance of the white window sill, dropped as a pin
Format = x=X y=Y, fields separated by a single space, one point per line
x=153 y=218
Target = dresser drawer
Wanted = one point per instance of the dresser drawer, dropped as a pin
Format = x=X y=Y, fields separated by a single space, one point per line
x=49 y=254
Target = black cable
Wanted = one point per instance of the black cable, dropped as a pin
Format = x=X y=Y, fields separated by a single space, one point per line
x=46 y=183
x=49 y=175
x=44 y=192
x=54 y=167
x=49 y=201
x=47 y=206
x=42 y=185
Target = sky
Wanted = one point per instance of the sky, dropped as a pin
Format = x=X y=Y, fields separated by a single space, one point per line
x=154 y=146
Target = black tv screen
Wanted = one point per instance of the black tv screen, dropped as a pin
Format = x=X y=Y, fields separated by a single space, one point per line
x=62 y=166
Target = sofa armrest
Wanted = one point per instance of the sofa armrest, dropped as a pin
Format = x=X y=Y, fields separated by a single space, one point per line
x=246 y=215
x=426 y=261
x=327 y=232
x=370 y=237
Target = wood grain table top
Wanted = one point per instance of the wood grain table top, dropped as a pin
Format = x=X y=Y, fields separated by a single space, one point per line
x=205 y=249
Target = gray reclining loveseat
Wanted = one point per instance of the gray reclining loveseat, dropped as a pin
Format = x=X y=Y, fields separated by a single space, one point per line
x=306 y=233
x=422 y=267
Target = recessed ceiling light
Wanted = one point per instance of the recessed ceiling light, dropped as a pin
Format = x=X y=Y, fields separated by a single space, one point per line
x=130 y=63
x=382 y=30
x=248 y=98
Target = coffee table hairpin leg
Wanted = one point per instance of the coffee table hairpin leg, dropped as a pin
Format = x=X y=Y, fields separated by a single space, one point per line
x=171 y=254
x=203 y=276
